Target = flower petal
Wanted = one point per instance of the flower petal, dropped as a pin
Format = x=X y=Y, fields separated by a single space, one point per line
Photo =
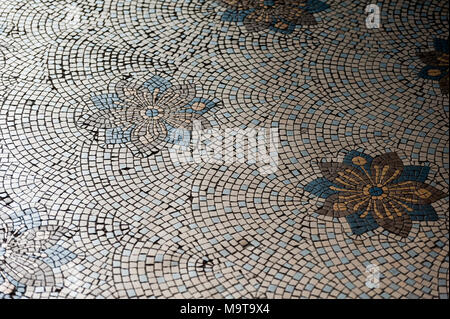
x=320 y=187
x=40 y=238
x=148 y=138
x=257 y=21
x=240 y=4
x=234 y=15
x=105 y=119
x=358 y=160
x=444 y=84
x=413 y=173
x=431 y=72
x=413 y=192
x=423 y=213
x=157 y=85
x=441 y=45
x=343 y=175
x=328 y=206
x=134 y=95
x=6 y=287
x=315 y=6
x=361 y=225
x=149 y=131
x=30 y=271
x=429 y=58
x=385 y=168
x=338 y=206
x=186 y=120
x=177 y=96
x=295 y=15
x=385 y=216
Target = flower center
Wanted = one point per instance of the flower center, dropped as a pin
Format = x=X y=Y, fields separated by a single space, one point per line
x=198 y=106
x=375 y=191
x=152 y=112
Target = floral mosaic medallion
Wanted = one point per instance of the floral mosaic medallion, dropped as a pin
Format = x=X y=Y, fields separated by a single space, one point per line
x=279 y=15
x=437 y=64
x=374 y=192
x=32 y=250
x=148 y=117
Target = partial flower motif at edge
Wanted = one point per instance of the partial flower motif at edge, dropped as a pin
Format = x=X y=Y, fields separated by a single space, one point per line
x=437 y=64
x=374 y=192
x=30 y=250
x=279 y=15
x=150 y=117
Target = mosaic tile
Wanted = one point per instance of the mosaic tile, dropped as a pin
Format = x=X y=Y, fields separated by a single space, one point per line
x=118 y=178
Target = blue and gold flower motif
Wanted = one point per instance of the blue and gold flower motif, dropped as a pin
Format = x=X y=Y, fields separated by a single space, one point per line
x=437 y=64
x=376 y=191
x=149 y=117
x=279 y=15
x=30 y=250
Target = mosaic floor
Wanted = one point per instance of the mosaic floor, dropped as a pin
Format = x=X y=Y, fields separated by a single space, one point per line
x=347 y=196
